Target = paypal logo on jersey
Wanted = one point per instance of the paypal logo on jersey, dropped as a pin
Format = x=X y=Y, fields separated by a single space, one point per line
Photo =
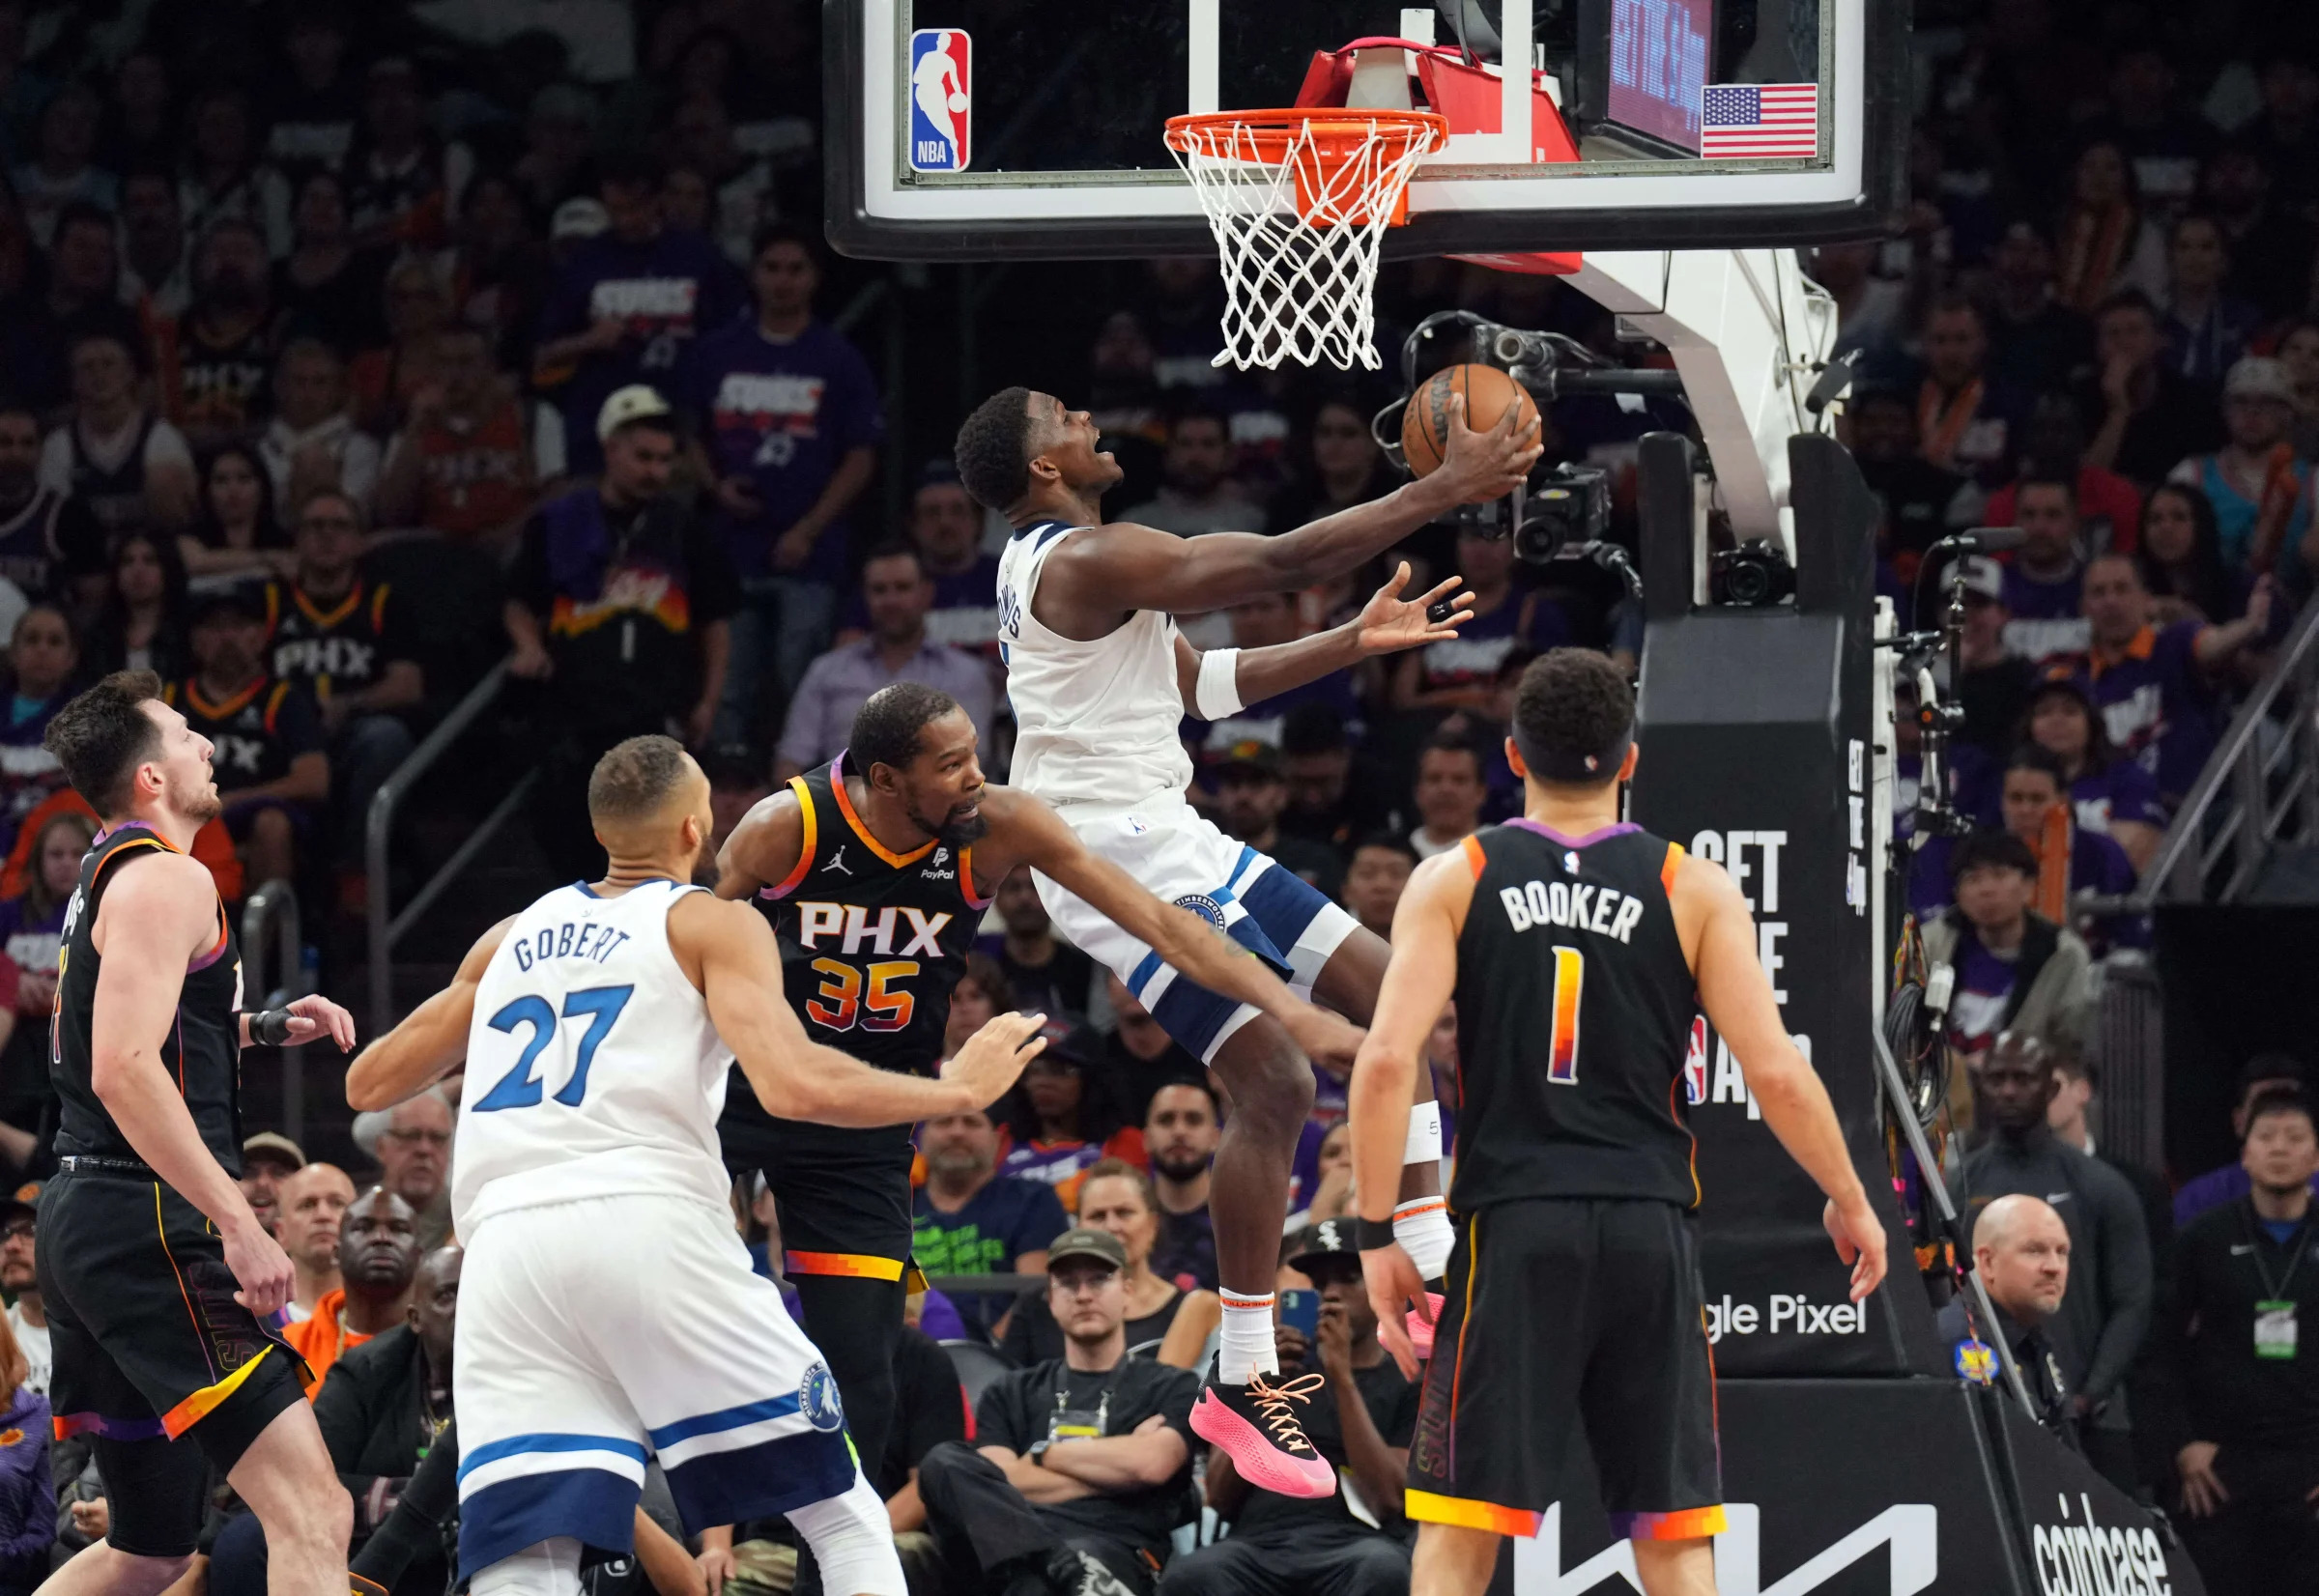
x=941 y=99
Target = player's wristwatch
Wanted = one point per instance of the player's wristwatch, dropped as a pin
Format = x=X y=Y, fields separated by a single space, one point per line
x=1368 y=1234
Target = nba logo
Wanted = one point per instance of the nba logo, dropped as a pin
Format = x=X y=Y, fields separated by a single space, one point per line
x=1695 y=1063
x=941 y=99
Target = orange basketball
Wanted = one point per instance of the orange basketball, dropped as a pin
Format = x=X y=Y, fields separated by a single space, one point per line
x=1487 y=391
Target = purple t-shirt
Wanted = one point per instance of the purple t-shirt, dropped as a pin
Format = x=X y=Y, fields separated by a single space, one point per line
x=2156 y=705
x=1984 y=987
x=2123 y=792
x=2046 y=623
x=785 y=414
x=668 y=291
x=966 y=612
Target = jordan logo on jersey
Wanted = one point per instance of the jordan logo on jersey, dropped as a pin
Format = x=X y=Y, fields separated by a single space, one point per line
x=837 y=862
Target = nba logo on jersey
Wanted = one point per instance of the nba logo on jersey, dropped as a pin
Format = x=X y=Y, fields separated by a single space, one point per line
x=1695 y=1063
x=941 y=99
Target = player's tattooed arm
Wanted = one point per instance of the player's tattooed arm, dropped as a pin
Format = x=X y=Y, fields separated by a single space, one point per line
x=1024 y=827
x=764 y=848
x=430 y=1042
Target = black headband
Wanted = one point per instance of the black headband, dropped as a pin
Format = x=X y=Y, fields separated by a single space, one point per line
x=1577 y=770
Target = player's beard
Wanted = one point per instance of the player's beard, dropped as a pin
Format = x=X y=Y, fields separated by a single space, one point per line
x=201 y=805
x=954 y=830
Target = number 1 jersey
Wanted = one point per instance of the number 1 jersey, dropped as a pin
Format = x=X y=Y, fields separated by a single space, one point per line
x=1574 y=1008
x=592 y=1068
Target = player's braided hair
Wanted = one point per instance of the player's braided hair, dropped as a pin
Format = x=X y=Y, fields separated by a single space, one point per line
x=993 y=449
x=887 y=726
x=634 y=779
x=1573 y=715
x=101 y=736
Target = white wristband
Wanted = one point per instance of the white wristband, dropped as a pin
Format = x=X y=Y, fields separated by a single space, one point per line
x=1217 y=695
x=1424 y=1143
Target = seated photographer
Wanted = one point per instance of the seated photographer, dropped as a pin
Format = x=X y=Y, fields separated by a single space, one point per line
x=1361 y=1418
x=1081 y=1462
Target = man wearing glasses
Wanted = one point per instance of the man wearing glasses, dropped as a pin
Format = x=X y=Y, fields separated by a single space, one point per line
x=25 y=1315
x=413 y=1145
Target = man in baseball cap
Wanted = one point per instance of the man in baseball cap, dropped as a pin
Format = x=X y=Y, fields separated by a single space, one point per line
x=268 y=1159
x=625 y=407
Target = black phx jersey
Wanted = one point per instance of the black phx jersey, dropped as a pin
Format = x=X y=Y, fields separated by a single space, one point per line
x=1574 y=1008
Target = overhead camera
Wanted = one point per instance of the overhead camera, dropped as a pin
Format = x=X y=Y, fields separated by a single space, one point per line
x=1753 y=575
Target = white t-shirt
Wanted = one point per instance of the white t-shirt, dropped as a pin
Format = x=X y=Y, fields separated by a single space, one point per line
x=165 y=445
x=34 y=1339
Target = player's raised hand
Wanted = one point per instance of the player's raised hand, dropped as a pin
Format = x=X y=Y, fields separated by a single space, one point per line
x=996 y=1055
x=1859 y=1237
x=1330 y=1041
x=313 y=1017
x=260 y=1268
x=1390 y=623
x=1488 y=464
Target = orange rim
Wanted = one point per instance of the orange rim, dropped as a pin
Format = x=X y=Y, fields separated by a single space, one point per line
x=1336 y=133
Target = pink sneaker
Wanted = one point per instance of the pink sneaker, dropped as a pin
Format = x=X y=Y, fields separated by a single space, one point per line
x=1421 y=1334
x=1255 y=1425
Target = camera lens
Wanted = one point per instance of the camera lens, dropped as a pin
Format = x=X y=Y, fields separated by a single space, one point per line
x=1748 y=583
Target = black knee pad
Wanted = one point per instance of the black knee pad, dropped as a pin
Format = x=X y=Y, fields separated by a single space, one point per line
x=158 y=1493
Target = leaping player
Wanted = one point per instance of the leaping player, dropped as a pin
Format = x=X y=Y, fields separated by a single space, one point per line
x=1099 y=678
x=607 y=1306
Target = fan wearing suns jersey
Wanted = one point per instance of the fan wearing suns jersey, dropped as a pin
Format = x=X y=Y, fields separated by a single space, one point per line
x=874 y=871
x=1576 y=949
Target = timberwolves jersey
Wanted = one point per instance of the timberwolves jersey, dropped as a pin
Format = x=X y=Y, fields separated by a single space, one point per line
x=1574 y=1006
x=592 y=1068
x=202 y=1052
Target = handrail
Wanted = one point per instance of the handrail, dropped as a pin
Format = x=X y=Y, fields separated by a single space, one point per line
x=379 y=830
x=275 y=904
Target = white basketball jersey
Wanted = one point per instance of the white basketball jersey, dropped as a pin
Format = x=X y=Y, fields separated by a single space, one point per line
x=593 y=1070
x=1096 y=721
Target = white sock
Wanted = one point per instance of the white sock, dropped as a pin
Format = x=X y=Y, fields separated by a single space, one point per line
x=1246 y=1347
x=1421 y=1225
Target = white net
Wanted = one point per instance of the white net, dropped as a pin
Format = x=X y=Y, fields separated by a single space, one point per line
x=1299 y=206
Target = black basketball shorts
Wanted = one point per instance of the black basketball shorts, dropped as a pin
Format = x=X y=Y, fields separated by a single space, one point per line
x=843 y=1196
x=1564 y=1310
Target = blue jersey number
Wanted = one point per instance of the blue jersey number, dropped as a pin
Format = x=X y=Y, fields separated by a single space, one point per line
x=519 y=1088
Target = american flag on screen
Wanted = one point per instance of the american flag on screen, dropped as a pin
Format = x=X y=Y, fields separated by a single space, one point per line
x=1775 y=120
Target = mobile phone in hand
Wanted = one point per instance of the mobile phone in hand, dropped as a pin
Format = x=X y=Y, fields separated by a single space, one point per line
x=1301 y=1311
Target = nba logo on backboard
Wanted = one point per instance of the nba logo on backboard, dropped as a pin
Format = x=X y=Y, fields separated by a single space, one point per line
x=941 y=99
x=1695 y=1063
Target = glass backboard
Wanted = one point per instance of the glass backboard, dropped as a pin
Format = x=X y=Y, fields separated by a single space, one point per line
x=980 y=128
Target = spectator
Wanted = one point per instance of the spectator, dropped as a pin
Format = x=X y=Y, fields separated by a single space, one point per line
x=1138 y=1053
x=2241 y=1415
x=2263 y=1074
x=27 y=1490
x=51 y=545
x=559 y=138
x=946 y=529
x=2044 y=585
x=142 y=626
x=2036 y=342
x=2071 y=860
x=792 y=426
x=2161 y=137
x=32 y=926
x=313 y=121
x=1374 y=878
x=312 y=444
x=1250 y=793
x=63 y=170
x=1923 y=503
x=1316 y=760
x=412 y=1142
x=82 y=297
x=2071 y=1115
x=1081 y=1462
x=1462 y=674
x=1448 y=796
x=113 y=454
x=2053 y=446
x=2151 y=418
x=1166 y=1320
x=982 y=991
x=619 y=593
x=313 y=1204
x=351 y=644
x=2106 y=242
x=156 y=276
x=2104 y=1318
x=269 y=754
x=377 y=1253
x=42 y=656
x=328 y=288
x=626 y=307
x=27 y=1317
x=1045 y=974
x=225 y=178
x=1062 y=1122
x=1346 y=468
x=2208 y=328
x=502 y=267
x=736 y=785
x=2112 y=794
x=969 y=1219
x=226 y=344
x=1333 y=1176
x=2256 y=485
x=1180 y=1130
x=2180 y=557
x=2299 y=353
x=403 y=184
x=1964 y=424
x=2021 y=1252
x=1360 y=1414
x=736 y=191
x=387 y=1403
x=2270 y=243
x=473 y=458
x=236 y=537
x=386 y=382
x=2159 y=706
x=2014 y=970
x=1272 y=621
x=268 y=1159
x=1196 y=490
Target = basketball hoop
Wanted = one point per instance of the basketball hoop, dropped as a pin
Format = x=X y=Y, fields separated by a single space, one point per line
x=1299 y=201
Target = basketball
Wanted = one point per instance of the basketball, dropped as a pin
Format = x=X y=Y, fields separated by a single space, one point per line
x=1425 y=423
x=958 y=102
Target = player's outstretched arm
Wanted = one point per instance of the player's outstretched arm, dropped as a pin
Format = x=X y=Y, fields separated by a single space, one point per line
x=1387 y=624
x=1122 y=566
x=728 y=952
x=430 y=1042
x=763 y=849
x=1027 y=829
x=1418 y=981
x=1737 y=997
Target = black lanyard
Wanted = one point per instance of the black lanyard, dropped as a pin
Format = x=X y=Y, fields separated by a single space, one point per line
x=2276 y=1291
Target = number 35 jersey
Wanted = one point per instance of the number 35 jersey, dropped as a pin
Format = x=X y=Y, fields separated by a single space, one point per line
x=592 y=1068
x=1574 y=1008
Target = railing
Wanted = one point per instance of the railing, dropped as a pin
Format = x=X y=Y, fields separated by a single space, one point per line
x=272 y=909
x=387 y=929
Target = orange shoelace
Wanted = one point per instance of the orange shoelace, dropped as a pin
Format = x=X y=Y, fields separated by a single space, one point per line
x=1272 y=1403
